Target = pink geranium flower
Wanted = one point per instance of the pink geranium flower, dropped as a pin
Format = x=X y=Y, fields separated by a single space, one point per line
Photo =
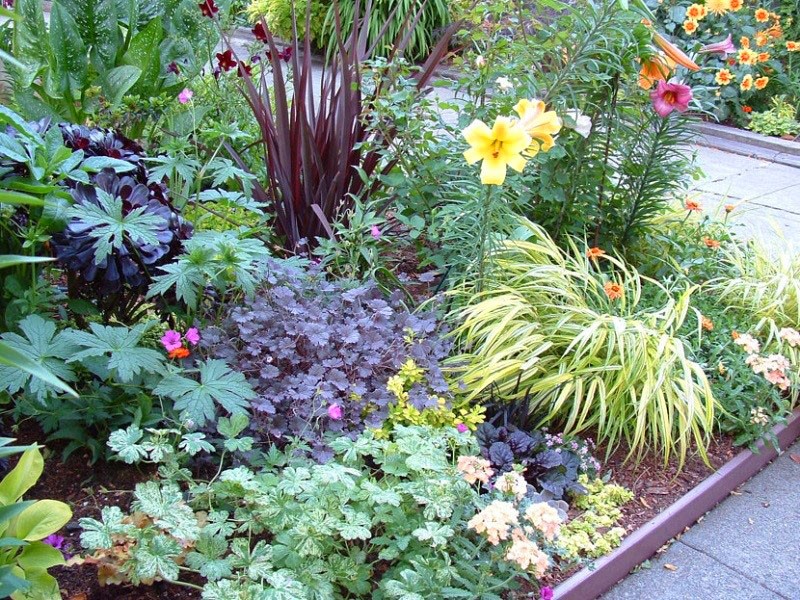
x=171 y=340
x=670 y=96
x=192 y=336
x=462 y=428
x=724 y=47
x=185 y=96
x=335 y=412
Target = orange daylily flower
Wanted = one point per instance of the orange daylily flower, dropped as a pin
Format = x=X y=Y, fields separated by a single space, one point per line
x=595 y=253
x=707 y=324
x=673 y=52
x=614 y=291
x=654 y=69
x=692 y=206
x=711 y=243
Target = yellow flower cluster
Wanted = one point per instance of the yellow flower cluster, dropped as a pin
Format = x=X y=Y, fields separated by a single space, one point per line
x=442 y=415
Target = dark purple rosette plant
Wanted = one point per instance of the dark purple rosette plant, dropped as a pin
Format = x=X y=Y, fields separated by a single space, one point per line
x=117 y=234
x=319 y=355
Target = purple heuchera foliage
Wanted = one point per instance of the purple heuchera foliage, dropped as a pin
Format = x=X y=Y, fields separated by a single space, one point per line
x=306 y=344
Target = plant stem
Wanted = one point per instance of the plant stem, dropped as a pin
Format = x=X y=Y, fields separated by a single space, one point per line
x=484 y=235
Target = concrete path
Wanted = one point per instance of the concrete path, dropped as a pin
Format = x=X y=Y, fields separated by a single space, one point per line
x=746 y=548
x=766 y=195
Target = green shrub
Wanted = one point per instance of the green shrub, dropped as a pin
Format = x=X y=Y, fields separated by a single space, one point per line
x=779 y=120
x=570 y=336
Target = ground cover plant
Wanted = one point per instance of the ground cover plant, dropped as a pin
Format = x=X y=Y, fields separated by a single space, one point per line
x=351 y=330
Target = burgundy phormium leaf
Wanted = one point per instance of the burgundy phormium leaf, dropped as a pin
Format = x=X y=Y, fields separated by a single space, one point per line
x=208 y=8
x=311 y=152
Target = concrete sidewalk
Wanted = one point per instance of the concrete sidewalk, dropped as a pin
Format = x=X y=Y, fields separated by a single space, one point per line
x=746 y=548
x=766 y=195
x=749 y=546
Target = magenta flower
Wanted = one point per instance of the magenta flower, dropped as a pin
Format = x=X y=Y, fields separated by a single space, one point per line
x=670 y=96
x=335 y=412
x=724 y=47
x=462 y=428
x=192 y=336
x=375 y=232
x=546 y=593
x=171 y=340
x=56 y=541
x=185 y=96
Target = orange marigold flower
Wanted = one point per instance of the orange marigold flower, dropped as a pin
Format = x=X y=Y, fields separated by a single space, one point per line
x=692 y=206
x=594 y=253
x=775 y=31
x=690 y=26
x=735 y=334
x=762 y=15
x=729 y=208
x=762 y=82
x=710 y=242
x=747 y=109
x=746 y=56
x=793 y=46
x=736 y=5
x=647 y=22
x=179 y=353
x=614 y=291
x=744 y=41
x=763 y=57
x=723 y=77
x=707 y=324
x=762 y=38
x=747 y=83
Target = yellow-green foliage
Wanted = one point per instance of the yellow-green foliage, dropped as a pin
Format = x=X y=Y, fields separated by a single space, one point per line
x=220 y=216
x=593 y=533
x=404 y=413
x=278 y=16
x=767 y=285
x=544 y=329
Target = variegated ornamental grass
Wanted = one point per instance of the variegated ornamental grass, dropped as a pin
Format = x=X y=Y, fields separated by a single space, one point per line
x=545 y=330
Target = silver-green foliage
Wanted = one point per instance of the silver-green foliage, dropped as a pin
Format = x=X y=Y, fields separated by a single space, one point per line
x=384 y=518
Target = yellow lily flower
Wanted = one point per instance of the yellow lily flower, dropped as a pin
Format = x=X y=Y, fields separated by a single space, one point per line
x=498 y=148
x=540 y=124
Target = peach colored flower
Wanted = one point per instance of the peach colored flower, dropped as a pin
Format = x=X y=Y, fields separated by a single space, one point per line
x=711 y=243
x=747 y=342
x=527 y=554
x=544 y=518
x=512 y=483
x=594 y=253
x=614 y=291
x=474 y=468
x=692 y=206
x=495 y=521
x=792 y=336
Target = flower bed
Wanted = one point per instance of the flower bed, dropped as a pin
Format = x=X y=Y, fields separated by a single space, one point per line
x=303 y=336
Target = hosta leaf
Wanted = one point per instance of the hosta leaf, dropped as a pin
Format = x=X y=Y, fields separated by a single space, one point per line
x=217 y=385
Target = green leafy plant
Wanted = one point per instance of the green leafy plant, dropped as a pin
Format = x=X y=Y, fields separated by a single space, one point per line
x=569 y=335
x=24 y=524
x=780 y=119
x=97 y=49
x=392 y=518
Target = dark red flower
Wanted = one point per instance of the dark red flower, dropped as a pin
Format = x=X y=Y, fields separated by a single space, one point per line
x=260 y=32
x=208 y=8
x=245 y=68
x=225 y=59
x=173 y=68
x=285 y=54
